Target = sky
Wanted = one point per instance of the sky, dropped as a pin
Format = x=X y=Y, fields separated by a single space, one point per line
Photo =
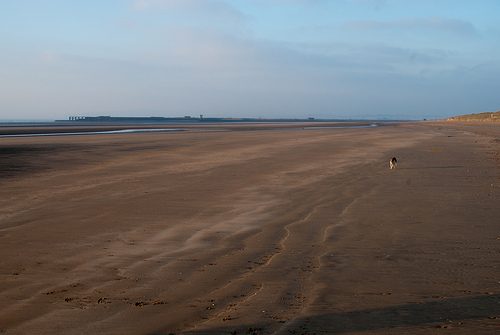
x=327 y=59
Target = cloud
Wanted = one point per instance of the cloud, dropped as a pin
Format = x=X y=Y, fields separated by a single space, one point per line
x=205 y=49
x=48 y=56
x=432 y=24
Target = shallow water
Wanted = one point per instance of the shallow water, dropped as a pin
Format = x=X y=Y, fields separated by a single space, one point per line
x=129 y=131
x=97 y=132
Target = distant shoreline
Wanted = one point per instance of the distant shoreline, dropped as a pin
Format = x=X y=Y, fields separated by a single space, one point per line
x=200 y=119
x=111 y=120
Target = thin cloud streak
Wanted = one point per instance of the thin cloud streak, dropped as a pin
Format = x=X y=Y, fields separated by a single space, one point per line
x=427 y=25
x=214 y=8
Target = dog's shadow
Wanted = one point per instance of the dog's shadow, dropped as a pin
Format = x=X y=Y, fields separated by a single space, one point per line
x=431 y=167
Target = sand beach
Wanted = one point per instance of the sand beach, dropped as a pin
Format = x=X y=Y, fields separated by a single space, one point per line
x=253 y=229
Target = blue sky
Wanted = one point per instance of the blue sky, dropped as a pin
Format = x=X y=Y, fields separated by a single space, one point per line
x=405 y=59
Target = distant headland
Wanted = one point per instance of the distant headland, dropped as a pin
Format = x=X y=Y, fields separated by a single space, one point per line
x=160 y=119
x=188 y=119
x=485 y=116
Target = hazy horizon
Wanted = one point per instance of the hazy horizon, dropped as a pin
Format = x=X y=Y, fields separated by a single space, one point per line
x=195 y=117
x=344 y=59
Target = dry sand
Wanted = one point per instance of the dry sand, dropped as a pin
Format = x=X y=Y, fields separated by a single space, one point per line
x=239 y=230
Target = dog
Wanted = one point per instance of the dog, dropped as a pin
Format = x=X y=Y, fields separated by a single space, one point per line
x=393 y=162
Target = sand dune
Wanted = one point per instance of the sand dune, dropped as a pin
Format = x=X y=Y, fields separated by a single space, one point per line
x=252 y=230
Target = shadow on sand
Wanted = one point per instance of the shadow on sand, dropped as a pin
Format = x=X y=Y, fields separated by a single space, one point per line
x=431 y=167
x=440 y=314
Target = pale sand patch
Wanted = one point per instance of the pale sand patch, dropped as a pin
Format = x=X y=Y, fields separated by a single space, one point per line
x=264 y=231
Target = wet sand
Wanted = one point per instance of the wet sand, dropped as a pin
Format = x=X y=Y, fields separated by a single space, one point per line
x=245 y=229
